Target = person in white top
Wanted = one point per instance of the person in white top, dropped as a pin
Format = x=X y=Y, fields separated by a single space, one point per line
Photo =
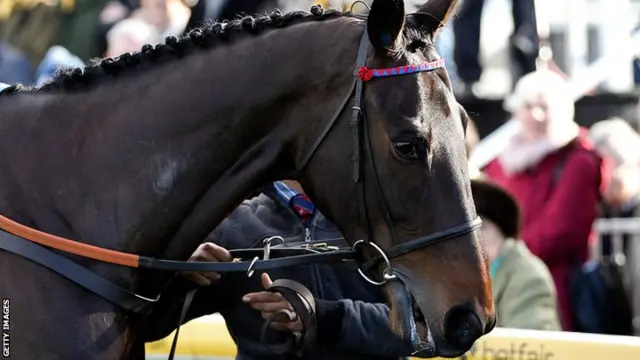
x=169 y=17
x=129 y=35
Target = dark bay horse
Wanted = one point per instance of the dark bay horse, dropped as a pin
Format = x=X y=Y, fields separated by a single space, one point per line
x=146 y=153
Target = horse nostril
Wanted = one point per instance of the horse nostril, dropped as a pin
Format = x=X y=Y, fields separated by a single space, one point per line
x=462 y=327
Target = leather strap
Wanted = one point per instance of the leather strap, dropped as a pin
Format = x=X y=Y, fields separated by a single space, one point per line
x=357 y=117
x=314 y=245
x=76 y=273
x=406 y=247
x=431 y=239
x=188 y=299
x=356 y=85
x=280 y=257
x=304 y=309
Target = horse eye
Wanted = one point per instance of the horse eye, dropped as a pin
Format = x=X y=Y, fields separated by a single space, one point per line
x=406 y=150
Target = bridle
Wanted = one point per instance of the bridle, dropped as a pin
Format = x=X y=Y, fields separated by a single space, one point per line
x=26 y=242
x=359 y=125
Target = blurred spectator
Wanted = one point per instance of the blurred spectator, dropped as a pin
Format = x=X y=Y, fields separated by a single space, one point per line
x=198 y=13
x=129 y=35
x=77 y=27
x=56 y=57
x=110 y=15
x=523 y=42
x=15 y=66
x=615 y=139
x=552 y=170
x=170 y=17
x=523 y=289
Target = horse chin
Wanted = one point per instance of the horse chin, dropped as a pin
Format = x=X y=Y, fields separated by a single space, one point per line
x=408 y=321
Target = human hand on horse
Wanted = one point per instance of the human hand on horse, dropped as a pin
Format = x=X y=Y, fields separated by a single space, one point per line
x=268 y=303
x=207 y=252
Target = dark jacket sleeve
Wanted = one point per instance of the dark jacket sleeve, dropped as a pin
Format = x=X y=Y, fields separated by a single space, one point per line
x=359 y=327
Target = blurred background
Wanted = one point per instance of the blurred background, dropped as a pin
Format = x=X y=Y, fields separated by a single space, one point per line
x=592 y=43
x=519 y=67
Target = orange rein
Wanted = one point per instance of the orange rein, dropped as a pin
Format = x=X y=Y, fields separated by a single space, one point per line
x=70 y=246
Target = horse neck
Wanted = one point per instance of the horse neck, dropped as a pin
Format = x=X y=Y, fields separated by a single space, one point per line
x=129 y=161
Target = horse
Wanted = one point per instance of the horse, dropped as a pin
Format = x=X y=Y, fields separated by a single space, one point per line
x=146 y=153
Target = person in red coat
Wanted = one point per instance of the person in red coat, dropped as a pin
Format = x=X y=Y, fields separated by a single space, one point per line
x=551 y=168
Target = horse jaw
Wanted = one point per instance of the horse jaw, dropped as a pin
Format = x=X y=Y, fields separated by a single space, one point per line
x=406 y=319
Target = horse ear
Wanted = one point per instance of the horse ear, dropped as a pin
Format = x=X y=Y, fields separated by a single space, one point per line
x=440 y=11
x=385 y=23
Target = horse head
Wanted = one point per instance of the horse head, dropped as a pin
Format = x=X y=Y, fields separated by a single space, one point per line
x=414 y=219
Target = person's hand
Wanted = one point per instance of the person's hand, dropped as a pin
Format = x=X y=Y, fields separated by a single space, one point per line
x=268 y=303
x=207 y=252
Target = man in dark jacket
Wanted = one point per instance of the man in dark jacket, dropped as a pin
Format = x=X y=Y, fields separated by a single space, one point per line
x=352 y=318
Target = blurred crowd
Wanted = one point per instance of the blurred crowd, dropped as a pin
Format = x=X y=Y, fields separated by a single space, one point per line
x=541 y=195
x=557 y=178
x=88 y=29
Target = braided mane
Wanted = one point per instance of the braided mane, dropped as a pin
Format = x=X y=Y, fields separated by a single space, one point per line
x=202 y=38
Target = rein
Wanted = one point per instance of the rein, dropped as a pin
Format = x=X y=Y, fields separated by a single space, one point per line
x=290 y=256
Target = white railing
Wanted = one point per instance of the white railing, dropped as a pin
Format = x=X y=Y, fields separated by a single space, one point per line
x=616 y=228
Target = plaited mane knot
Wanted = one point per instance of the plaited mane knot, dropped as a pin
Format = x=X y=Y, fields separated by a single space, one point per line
x=249 y=24
x=197 y=37
x=218 y=30
x=277 y=19
x=76 y=74
x=201 y=38
x=171 y=41
x=153 y=52
x=130 y=60
x=108 y=65
x=146 y=51
x=125 y=57
x=293 y=16
x=208 y=34
x=317 y=10
x=174 y=45
x=107 y=62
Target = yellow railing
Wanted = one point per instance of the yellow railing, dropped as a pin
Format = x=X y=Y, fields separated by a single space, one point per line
x=208 y=338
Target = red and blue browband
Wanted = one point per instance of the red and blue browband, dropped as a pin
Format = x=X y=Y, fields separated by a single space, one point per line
x=367 y=74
